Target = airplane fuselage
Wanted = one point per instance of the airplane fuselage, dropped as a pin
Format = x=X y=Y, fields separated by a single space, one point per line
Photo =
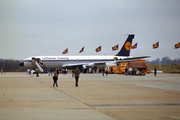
x=62 y=61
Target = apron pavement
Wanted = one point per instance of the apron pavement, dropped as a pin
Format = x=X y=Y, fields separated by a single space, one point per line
x=98 y=97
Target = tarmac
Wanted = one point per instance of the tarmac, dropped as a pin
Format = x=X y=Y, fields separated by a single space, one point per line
x=112 y=97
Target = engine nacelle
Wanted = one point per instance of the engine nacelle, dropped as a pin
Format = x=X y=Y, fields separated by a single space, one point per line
x=84 y=66
x=111 y=64
x=28 y=65
x=91 y=64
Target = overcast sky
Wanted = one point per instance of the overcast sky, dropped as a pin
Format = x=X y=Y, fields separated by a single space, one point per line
x=47 y=27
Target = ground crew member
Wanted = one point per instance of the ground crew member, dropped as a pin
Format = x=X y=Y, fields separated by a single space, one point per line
x=103 y=71
x=55 y=78
x=76 y=74
x=155 y=70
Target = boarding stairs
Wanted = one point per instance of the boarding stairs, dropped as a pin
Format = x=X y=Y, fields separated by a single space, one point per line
x=38 y=64
x=39 y=67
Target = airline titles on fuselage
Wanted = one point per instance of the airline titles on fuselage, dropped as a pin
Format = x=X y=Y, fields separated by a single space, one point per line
x=55 y=58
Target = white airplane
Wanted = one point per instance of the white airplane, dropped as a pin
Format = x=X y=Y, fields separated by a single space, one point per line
x=81 y=61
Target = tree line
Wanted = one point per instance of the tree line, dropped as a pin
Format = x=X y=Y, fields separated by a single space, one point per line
x=10 y=65
x=164 y=60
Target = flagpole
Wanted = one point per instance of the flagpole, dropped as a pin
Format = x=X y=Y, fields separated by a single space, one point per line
x=156 y=45
x=159 y=63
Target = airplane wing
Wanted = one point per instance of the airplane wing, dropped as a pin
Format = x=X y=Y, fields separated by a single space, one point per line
x=72 y=65
x=130 y=59
x=135 y=58
x=84 y=65
x=103 y=63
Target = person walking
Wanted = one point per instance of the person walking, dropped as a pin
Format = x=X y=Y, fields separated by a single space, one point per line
x=51 y=71
x=103 y=70
x=155 y=71
x=55 y=78
x=48 y=71
x=76 y=74
x=106 y=71
x=57 y=71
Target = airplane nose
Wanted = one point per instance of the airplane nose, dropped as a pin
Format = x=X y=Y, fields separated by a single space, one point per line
x=21 y=64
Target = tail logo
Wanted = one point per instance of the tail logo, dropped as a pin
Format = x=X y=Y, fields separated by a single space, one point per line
x=128 y=46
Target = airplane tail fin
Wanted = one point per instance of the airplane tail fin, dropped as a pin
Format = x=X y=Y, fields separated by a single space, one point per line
x=125 y=50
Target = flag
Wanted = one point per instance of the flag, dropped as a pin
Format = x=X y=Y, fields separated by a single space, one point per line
x=156 y=45
x=115 y=47
x=82 y=50
x=98 y=49
x=134 y=46
x=176 y=46
x=65 y=51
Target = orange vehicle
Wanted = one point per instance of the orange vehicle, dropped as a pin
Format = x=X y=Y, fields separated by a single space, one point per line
x=134 y=68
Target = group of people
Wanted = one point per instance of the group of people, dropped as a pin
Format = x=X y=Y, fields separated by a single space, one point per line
x=75 y=73
x=49 y=71
x=134 y=71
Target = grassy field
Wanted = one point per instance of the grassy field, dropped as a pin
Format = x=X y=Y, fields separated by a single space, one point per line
x=166 y=68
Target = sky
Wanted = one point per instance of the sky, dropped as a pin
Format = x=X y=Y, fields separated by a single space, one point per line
x=48 y=27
